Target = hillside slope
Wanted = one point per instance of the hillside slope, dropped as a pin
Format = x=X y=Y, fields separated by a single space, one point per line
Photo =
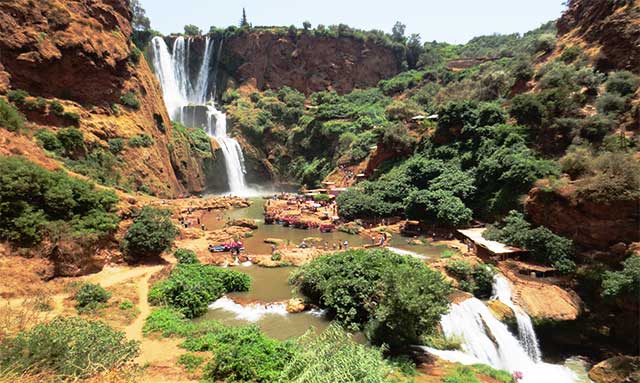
x=78 y=54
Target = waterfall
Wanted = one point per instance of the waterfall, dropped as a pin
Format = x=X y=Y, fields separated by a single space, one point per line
x=182 y=97
x=526 y=333
x=484 y=339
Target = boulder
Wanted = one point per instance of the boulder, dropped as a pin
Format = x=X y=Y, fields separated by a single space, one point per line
x=502 y=312
x=243 y=222
x=619 y=369
x=295 y=305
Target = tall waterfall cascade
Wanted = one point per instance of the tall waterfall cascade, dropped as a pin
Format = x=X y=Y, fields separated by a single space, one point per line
x=484 y=339
x=185 y=97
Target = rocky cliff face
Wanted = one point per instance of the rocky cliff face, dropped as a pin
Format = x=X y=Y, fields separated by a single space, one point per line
x=307 y=63
x=587 y=223
x=79 y=53
x=610 y=29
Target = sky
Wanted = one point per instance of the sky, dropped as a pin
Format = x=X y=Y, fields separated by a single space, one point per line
x=453 y=21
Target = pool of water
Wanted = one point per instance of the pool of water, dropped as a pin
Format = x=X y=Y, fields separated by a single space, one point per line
x=263 y=306
x=256 y=244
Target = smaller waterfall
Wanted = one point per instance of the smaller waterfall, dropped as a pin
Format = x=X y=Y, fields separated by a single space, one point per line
x=233 y=157
x=526 y=333
x=487 y=340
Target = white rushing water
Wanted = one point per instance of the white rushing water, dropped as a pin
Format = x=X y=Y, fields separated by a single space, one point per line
x=252 y=312
x=526 y=333
x=484 y=339
x=181 y=94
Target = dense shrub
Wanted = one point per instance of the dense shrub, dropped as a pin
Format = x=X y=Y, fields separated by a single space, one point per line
x=437 y=207
x=611 y=103
x=622 y=83
x=129 y=99
x=48 y=140
x=625 y=281
x=527 y=109
x=72 y=141
x=395 y=299
x=10 y=118
x=90 y=296
x=244 y=354
x=477 y=279
x=17 y=96
x=151 y=233
x=333 y=357
x=192 y=287
x=543 y=245
x=32 y=199
x=116 y=145
x=142 y=140
x=400 y=82
x=616 y=177
x=186 y=256
x=70 y=347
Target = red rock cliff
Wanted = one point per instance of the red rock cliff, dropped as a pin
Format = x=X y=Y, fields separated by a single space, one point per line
x=79 y=51
x=308 y=63
x=612 y=27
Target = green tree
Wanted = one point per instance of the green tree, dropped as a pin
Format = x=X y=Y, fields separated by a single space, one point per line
x=397 y=32
x=151 y=233
x=192 y=30
x=527 y=109
x=243 y=21
x=139 y=21
x=186 y=256
x=437 y=207
x=625 y=281
x=396 y=299
x=306 y=25
x=10 y=118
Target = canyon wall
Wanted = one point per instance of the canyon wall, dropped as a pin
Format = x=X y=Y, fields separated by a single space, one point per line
x=79 y=53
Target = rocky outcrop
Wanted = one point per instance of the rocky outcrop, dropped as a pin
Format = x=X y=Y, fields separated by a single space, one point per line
x=306 y=62
x=79 y=52
x=588 y=223
x=619 y=369
x=611 y=26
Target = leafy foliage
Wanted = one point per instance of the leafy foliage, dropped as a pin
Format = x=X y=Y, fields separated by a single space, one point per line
x=186 y=256
x=131 y=100
x=33 y=201
x=625 y=281
x=10 y=118
x=192 y=287
x=333 y=357
x=151 y=233
x=395 y=299
x=70 y=347
x=142 y=140
x=477 y=279
x=90 y=296
x=542 y=243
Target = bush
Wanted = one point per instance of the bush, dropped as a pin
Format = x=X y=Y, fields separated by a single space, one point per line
x=151 y=233
x=477 y=280
x=72 y=117
x=616 y=178
x=31 y=198
x=143 y=140
x=17 y=96
x=90 y=296
x=623 y=282
x=545 y=43
x=622 y=83
x=543 y=245
x=185 y=256
x=72 y=141
x=129 y=99
x=462 y=374
x=135 y=55
x=192 y=287
x=190 y=362
x=376 y=290
x=570 y=54
x=10 y=118
x=244 y=354
x=70 y=347
x=116 y=145
x=56 y=107
x=610 y=103
x=527 y=109
x=333 y=356
x=48 y=140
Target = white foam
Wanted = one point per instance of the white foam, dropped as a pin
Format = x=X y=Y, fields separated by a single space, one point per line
x=252 y=312
x=407 y=252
